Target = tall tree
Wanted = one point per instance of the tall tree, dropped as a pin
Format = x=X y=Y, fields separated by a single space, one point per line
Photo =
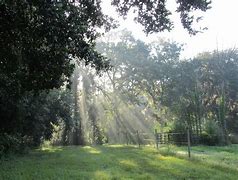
x=38 y=40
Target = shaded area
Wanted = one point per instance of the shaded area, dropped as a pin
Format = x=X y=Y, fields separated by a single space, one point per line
x=123 y=162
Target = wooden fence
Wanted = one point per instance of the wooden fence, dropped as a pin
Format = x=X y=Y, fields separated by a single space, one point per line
x=142 y=138
x=176 y=138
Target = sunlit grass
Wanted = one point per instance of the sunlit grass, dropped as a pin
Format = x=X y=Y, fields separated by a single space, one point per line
x=123 y=162
x=91 y=150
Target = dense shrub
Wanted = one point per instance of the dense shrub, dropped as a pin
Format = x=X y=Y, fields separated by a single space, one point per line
x=209 y=139
x=212 y=134
x=233 y=138
x=12 y=144
x=178 y=127
x=39 y=114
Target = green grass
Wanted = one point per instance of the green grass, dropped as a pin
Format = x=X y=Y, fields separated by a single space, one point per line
x=123 y=162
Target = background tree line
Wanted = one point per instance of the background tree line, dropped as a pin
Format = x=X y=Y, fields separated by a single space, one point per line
x=198 y=93
x=40 y=42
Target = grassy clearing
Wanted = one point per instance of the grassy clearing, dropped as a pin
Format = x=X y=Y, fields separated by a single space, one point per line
x=123 y=162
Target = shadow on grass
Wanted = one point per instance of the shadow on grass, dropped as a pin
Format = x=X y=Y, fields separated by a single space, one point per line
x=133 y=161
x=170 y=164
x=113 y=162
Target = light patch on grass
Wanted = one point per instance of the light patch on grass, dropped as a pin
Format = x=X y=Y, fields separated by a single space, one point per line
x=168 y=158
x=115 y=145
x=182 y=152
x=92 y=150
x=51 y=149
x=101 y=175
x=128 y=163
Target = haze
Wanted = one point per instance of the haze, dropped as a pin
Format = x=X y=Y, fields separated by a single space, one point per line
x=220 y=21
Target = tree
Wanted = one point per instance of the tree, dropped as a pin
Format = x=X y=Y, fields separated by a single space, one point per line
x=202 y=92
x=199 y=94
x=154 y=14
x=38 y=41
x=137 y=77
x=41 y=38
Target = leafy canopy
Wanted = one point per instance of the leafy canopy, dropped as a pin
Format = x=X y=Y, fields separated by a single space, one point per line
x=154 y=14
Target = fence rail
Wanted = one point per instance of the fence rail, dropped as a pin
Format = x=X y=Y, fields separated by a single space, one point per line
x=176 y=138
x=142 y=138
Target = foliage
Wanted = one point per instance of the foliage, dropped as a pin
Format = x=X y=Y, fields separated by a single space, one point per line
x=211 y=134
x=155 y=16
x=233 y=138
x=201 y=90
x=190 y=93
x=136 y=78
x=42 y=112
x=39 y=116
x=38 y=41
x=179 y=127
x=12 y=144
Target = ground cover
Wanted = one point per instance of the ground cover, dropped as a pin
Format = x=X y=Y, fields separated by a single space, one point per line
x=123 y=162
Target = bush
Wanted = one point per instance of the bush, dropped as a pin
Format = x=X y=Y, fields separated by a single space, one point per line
x=209 y=139
x=212 y=134
x=233 y=138
x=179 y=127
x=12 y=144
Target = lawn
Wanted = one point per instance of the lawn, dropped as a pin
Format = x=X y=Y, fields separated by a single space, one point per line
x=123 y=162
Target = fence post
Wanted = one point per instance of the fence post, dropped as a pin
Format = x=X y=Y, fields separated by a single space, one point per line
x=156 y=139
x=138 y=137
x=189 y=143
